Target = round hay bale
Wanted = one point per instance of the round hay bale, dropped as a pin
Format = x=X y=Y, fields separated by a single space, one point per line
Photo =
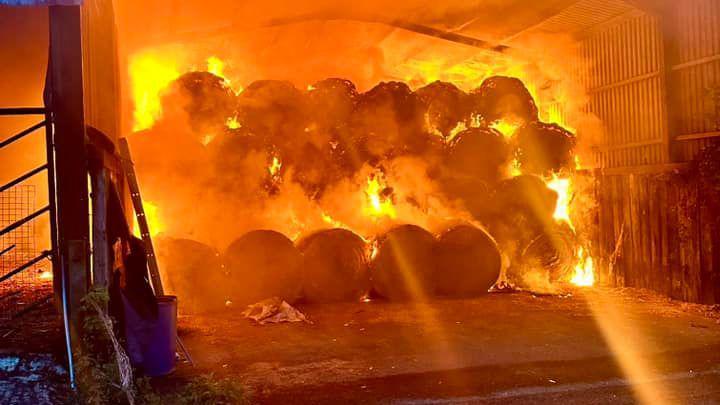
x=403 y=267
x=552 y=250
x=335 y=267
x=204 y=97
x=192 y=271
x=277 y=110
x=467 y=262
x=446 y=106
x=238 y=160
x=475 y=194
x=388 y=121
x=507 y=98
x=331 y=101
x=263 y=264
x=544 y=148
x=479 y=153
x=520 y=209
x=527 y=195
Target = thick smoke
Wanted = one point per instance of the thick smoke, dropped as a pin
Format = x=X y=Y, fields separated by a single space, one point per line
x=219 y=165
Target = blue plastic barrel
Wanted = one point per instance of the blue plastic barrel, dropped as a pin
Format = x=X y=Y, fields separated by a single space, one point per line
x=159 y=355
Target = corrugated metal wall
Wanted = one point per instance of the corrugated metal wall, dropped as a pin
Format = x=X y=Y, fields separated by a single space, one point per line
x=695 y=77
x=654 y=81
x=626 y=86
x=100 y=67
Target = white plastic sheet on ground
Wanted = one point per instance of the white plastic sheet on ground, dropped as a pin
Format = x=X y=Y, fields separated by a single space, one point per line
x=274 y=310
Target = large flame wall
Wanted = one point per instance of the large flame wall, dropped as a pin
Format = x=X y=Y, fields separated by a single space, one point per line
x=180 y=179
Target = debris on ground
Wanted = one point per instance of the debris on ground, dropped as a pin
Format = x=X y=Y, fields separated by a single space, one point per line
x=274 y=310
x=32 y=379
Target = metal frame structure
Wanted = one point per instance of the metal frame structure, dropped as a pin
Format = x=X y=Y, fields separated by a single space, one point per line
x=48 y=167
x=50 y=208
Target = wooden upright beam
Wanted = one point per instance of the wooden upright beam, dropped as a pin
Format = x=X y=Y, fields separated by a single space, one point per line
x=66 y=104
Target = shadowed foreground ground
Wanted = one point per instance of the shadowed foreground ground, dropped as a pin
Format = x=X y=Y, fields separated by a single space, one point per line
x=501 y=348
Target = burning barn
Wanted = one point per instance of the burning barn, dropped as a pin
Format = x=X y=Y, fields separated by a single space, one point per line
x=395 y=165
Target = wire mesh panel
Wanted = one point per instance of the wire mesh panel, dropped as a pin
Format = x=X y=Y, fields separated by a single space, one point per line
x=32 y=286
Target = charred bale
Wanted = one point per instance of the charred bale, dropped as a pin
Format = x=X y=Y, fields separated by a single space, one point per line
x=475 y=194
x=277 y=110
x=204 y=97
x=388 y=121
x=553 y=251
x=331 y=102
x=478 y=153
x=527 y=194
x=318 y=170
x=522 y=208
x=335 y=268
x=504 y=98
x=263 y=264
x=467 y=262
x=403 y=266
x=193 y=272
x=544 y=148
x=446 y=106
x=238 y=160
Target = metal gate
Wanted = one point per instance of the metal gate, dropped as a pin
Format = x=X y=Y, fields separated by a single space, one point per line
x=26 y=274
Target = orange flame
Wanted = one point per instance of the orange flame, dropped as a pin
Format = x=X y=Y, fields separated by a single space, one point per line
x=155 y=224
x=563 y=187
x=584 y=272
x=149 y=75
x=584 y=275
x=216 y=66
x=233 y=123
x=275 y=166
x=505 y=127
x=514 y=168
x=377 y=206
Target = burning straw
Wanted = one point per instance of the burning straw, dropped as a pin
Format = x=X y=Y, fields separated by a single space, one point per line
x=218 y=162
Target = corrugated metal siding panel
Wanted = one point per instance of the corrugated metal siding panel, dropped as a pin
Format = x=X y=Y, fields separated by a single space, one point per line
x=696 y=76
x=698 y=23
x=582 y=15
x=626 y=88
x=666 y=231
x=100 y=67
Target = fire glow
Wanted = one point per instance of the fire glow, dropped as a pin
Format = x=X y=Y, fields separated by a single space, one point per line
x=505 y=127
x=150 y=74
x=275 y=166
x=370 y=202
x=584 y=275
x=378 y=205
x=562 y=186
x=152 y=216
x=583 y=272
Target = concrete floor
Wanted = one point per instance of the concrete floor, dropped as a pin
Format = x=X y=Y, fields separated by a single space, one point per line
x=591 y=346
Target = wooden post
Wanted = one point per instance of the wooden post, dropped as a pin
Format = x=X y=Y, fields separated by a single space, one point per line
x=101 y=256
x=66 y=103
